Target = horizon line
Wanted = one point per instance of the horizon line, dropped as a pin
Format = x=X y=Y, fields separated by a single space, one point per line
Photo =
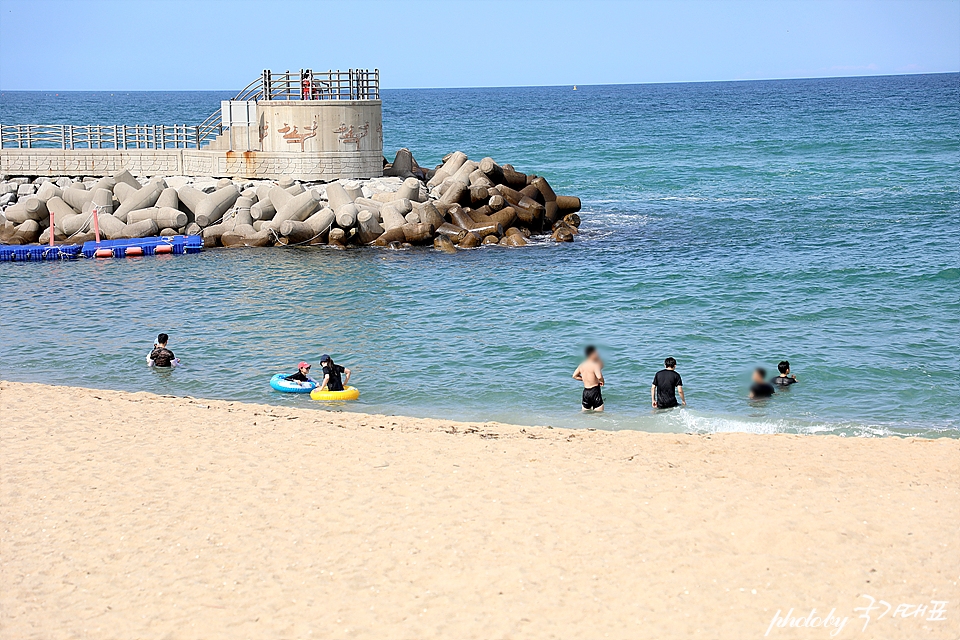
x=517 y=86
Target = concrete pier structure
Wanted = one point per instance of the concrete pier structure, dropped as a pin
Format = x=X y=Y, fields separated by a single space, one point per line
x=315 y=126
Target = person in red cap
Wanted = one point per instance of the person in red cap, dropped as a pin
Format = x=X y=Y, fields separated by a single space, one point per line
x=301 y=375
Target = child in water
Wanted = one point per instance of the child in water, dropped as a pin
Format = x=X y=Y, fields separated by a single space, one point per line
x=590 y=372
x=161 y=356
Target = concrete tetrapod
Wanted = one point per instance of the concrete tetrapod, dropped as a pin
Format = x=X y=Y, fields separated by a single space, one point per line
x=410 y=189
x=444 y=244
x=76 y=198
x=36 y=209
x=163 y=216
x=212 y=208
x=418 y=233
x=392 y=214
x=142 y=199
x=452 y=231
x=122 y=191
x=140 y=229
x=347 y=216
x=298 y=207
x=103 y=200
x=190 y=198
x=296 y=232
x=321 y=221
x=450 y=166
x=337 y=196
x=110 y=227
x=125 y=177
x=369 y=228
x=169 y=198
x=28 y=231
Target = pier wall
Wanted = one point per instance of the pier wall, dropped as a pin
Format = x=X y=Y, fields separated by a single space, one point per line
x=219 y=163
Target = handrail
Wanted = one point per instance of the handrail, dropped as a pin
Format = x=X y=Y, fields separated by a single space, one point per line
x=68 y=136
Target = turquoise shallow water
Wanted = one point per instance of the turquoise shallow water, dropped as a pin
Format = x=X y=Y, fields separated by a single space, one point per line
x=729 y=225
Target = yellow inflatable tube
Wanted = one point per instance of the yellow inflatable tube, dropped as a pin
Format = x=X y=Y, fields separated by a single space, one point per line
x=348 y=393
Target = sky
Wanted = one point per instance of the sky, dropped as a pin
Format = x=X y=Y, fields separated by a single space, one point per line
x=104 y=45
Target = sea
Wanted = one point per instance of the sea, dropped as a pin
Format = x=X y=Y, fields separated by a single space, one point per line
x=729 y=225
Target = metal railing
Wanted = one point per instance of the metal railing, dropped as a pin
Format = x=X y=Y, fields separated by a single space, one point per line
x=352 y=84
x=68 y=136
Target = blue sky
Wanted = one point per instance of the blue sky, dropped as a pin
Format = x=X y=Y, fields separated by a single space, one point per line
x=224 y=44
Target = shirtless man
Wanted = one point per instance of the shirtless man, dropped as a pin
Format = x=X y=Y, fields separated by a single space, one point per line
x=590 y=372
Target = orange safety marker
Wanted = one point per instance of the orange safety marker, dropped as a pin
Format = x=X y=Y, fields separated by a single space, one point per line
x=134 y=251
x=164 y=248
x=95 y=212
x=103 y=253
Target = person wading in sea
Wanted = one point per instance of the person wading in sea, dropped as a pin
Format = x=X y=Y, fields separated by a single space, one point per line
x=590 y=372
x=161 y=356
x=665 y=385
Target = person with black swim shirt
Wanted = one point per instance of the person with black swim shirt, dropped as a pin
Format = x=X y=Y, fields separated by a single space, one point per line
x=760 y=388
x=665 y=385
x=590 y=372
x=161 y=356
x=331 y=374
x=784 y=379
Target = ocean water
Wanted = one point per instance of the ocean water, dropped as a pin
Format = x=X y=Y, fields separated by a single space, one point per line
x=729 y=225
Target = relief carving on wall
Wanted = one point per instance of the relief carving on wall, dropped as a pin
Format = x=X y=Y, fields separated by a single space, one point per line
x=293 y=136
x=352 y=134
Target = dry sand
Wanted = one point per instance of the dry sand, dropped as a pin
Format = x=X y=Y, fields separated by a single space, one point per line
x=140 y=516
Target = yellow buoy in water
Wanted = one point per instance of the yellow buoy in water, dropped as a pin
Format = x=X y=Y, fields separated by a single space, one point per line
x=574 y=87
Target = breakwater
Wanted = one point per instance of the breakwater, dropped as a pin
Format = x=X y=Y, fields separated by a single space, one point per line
x=459 y=204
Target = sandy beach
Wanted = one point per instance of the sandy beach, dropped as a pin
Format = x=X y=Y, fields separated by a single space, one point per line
x=131 y=515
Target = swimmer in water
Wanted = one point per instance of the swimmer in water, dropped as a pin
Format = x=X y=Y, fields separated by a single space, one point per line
x=760 y=388
x=784 y=379
x=590 y=372
x=331 y=374
x=302 y=374
x=161 y=356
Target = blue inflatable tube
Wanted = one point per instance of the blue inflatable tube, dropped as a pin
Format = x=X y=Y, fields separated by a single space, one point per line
x=280 y=383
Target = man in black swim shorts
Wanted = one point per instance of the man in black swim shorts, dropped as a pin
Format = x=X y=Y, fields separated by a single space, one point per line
x=590 y=372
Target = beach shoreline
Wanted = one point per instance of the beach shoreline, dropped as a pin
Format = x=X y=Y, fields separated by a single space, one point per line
x=137 y=515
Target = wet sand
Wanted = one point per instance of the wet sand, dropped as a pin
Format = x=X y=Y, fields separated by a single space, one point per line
x=139 y=516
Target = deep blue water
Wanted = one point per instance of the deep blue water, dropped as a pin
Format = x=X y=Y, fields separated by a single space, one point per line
x=729 y=225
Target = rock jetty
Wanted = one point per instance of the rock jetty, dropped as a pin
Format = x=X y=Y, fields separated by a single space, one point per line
x=460 y=204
